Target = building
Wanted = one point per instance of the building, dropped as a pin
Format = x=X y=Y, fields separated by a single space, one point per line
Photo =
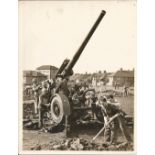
x=124 y=77
x=48 y=70
x=28 y=75
x=110 y=77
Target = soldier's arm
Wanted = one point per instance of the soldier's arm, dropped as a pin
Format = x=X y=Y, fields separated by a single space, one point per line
x=40 y=101
x=105 y=116
x=36 y=88
x=103 y=110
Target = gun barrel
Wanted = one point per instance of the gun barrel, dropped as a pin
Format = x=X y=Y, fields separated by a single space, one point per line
x=81 y=48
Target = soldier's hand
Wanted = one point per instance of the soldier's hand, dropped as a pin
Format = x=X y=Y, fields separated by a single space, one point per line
x=122 y=113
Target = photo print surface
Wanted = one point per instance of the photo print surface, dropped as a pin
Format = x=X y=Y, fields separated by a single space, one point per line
x=77 y=67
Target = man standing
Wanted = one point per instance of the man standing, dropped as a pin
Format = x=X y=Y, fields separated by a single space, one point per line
x=43 y=102
x=35 y=89
x=125 y=91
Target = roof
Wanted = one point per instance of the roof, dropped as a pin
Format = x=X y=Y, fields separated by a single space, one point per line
x=110 y=74
x=124 y=74
x=47 y=67
x=27 y=73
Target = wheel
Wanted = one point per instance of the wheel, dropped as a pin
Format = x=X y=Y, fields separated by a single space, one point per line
x=57 y=110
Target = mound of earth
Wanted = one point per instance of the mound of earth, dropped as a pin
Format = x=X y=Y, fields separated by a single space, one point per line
x=77 y=144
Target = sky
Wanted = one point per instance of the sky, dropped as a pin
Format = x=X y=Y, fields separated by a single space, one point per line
x=50 y=31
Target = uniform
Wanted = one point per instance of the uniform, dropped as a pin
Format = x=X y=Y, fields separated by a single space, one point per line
x=111 y=131
x=35 y=89
x=43 y=103
x=125 y=91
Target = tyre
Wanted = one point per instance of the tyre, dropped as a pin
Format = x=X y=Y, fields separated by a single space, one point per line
x=57 y=110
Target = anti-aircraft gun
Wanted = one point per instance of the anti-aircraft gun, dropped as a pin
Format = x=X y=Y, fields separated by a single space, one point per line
x=61 y=106
x=60 y=103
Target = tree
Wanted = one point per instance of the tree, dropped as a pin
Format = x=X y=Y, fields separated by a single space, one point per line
x=99 y=72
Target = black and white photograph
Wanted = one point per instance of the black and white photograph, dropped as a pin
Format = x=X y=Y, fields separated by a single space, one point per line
x=77 y=76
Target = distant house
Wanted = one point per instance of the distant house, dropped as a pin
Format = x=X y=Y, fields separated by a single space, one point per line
x=48 y=70
x=28 y=75
x=124 y=77
x=110 y=77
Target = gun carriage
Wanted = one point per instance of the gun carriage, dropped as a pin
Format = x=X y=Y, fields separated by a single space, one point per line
x=62 y=109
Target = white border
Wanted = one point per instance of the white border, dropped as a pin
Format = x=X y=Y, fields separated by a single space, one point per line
x=9 y=69
x=21 y=151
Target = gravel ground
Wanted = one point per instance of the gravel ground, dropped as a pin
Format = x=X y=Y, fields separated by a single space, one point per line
x=34 y=140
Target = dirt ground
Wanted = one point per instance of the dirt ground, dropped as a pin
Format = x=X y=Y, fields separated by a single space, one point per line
x=32 y=137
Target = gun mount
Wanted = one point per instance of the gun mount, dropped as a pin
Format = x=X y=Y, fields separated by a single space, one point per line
x=60 y=102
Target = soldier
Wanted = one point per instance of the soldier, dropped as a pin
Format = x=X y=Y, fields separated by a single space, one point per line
x=51 y=86
x=125 y=91
x=77 y=96
x=111 y=131
x=35 y=89
x=43 y=102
